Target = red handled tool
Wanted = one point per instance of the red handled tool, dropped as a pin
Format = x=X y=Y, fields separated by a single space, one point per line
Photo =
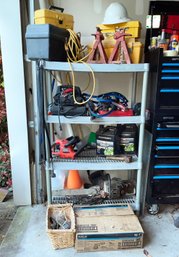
x=64 y=148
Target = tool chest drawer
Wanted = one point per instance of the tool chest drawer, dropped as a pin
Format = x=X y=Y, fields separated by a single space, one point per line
x=166 y=140
x=167 y=127
x=167 y=150
x=166 y=160
x=167 y=137
x=167 y=134
x=166 y=169
x=165 y=188
x=169 y=98
x=169 y=75
x=169 y=86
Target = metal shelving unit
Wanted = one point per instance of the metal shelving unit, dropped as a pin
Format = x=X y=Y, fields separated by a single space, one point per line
x=101 y=163
x=97 y=121
x=95 y=164
x=110 y=68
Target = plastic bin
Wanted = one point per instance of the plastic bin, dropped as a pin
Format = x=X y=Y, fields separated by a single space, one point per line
x=45 y=41
x=135 y=51
x=132 y=27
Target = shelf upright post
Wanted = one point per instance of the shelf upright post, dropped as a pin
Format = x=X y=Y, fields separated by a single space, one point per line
x=35 y=87
x=48 y=165
x=141 y=140
x=48 y=169
x=133 y=92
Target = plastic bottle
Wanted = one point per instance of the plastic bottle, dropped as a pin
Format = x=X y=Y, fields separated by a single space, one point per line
x=174 y=36
x=174 y=41
x=163 y=42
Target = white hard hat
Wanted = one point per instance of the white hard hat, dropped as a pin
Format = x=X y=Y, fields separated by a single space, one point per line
x=115 y=13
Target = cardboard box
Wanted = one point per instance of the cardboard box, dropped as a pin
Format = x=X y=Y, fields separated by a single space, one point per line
x=117 y=228
x=102 y=210
x=108 y=233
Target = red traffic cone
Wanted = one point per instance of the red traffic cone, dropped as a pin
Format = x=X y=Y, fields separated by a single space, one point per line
x=73 y=180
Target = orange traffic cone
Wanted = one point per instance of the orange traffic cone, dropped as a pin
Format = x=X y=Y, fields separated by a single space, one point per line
x=73 y=180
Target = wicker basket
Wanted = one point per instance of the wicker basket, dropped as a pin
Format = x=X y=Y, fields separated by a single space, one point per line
x=61 y=238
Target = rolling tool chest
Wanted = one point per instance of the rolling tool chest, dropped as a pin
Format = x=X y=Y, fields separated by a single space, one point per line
x=163 y=103
x=163 y=183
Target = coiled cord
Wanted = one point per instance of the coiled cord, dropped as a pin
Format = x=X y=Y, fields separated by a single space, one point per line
x=74 y=52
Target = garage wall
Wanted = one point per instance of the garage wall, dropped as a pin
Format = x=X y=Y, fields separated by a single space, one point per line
x=87 y=14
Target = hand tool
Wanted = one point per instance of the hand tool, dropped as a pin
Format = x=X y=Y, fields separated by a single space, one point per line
x=64 y=148
x=125 y=158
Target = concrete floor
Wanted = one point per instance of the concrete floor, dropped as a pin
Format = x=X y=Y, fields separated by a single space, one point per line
x=27 y=237
x=7 y=213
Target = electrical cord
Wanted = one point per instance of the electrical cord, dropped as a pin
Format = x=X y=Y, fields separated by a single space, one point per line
x=68 y=80
x=74 y=46
x=73 y=49
x=73 y=84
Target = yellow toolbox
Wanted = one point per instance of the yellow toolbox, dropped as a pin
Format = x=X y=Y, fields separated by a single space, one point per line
x=54 y=17
x=135 y=51
x=132 y=27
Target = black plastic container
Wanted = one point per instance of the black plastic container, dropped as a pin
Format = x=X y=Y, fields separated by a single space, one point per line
x=115 y=140
x=45 y=41
x=108 y=140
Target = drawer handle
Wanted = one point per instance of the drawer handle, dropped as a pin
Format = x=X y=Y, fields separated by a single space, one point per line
x=170 y=64
x=167 y=147
x=170 y=71
x=169 y=90
x=165 y=166
x=166 y=177
x=167 y=139
x=169 y=77
x=176 y=128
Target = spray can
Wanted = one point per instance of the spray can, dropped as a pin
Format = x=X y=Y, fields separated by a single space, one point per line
x=174 y=41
